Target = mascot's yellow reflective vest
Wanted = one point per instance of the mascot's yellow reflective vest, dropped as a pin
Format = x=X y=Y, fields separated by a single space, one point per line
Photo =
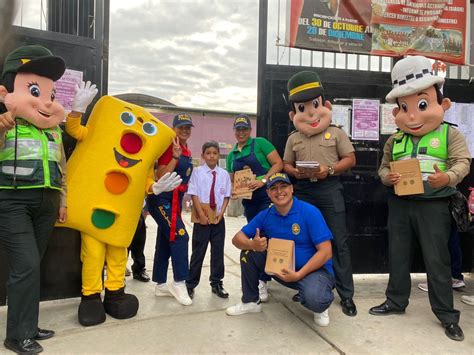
x=38 y=153
x=431 y=149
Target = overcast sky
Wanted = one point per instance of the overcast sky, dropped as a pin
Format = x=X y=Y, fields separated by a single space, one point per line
x=193 y=53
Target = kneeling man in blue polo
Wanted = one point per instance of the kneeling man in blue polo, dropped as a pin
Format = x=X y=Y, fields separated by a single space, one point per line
x=291 y=219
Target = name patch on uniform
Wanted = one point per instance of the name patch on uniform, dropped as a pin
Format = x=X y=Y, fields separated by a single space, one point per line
x=295 y=229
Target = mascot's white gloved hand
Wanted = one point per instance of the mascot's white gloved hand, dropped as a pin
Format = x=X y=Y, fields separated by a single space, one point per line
x=167 y=182
x=85 y=93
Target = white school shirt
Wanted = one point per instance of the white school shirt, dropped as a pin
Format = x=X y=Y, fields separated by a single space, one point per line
x=200 y=185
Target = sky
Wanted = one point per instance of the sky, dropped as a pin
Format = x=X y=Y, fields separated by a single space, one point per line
x=192 y=53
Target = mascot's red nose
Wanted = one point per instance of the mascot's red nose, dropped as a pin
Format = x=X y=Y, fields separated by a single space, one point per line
x=131 y=143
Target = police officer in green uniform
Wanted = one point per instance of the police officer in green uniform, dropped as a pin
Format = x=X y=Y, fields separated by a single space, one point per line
x=315 y=139
x=32 y=184
x=444 y=161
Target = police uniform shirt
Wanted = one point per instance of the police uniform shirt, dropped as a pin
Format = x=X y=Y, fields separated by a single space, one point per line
x=458 y=164
x=303 y=224
x=326 y=147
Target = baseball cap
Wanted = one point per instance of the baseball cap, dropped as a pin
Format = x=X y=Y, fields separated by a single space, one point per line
x=274 y=178
x=304 y=86
x=34 y=59
x=242 y=120
x=182 y=119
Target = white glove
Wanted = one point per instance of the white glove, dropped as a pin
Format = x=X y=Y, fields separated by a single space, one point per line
x=85 y=93
x=167 y=182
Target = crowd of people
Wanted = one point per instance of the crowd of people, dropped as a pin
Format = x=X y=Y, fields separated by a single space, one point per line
x=304 y=205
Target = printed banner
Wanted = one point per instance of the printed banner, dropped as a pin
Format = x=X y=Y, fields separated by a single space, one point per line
x=438 y=29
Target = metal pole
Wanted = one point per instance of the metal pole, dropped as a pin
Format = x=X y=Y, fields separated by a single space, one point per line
x=262 y=61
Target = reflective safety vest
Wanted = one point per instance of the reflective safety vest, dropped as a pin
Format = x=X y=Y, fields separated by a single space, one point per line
x=38 y=156
x=431 y=149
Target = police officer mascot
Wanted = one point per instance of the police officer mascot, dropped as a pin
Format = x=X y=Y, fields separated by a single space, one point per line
x=444 y=161
x=315 y=139
x=32 y=183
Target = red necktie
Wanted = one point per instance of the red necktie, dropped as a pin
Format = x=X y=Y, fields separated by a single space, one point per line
x=212 y=198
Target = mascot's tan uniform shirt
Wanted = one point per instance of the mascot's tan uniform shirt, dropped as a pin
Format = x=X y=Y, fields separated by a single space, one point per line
x=326 y=147
x=458 y=164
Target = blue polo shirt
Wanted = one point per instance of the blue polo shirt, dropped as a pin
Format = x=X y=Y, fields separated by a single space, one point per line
x=303 y=224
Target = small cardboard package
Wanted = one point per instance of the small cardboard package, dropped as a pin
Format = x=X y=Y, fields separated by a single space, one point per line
x=411 y=182
x=240 y=187
x=280 y=255
x=207 y=210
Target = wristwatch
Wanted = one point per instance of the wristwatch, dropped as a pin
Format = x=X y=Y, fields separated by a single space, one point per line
x=264 y=180
x=330 y=170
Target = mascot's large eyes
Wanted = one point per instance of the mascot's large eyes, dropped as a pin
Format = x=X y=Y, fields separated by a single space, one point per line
x=127 y=118
x=35 y=90
x=315 y=103
x=422 y=105
x=149 y=129
x=301 y=107
x=404 y=107
x=53 y=96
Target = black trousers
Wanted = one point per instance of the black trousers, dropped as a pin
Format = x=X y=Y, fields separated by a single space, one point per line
x=137 y=246
x=27 y=219
x=327 y=196
x=429 y=222
x=203 y=235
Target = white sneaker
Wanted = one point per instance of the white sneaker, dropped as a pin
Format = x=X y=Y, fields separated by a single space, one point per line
x=180 y=292
x=263 y=291
x=423 y=286
x=322 y=319
x=161 y=290
x=468 y=300
x=455 y=283
x=458 y=283
x=242 y=308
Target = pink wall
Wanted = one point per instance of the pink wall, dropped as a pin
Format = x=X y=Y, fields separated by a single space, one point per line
x=208 y=127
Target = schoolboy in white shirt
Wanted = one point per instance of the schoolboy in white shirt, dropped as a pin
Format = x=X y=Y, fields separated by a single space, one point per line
x=210 y=190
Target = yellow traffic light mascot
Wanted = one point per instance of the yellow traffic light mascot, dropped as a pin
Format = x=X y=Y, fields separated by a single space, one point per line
x=109 y=173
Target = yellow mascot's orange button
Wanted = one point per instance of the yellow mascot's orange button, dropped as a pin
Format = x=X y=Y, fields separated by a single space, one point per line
x=116 y=182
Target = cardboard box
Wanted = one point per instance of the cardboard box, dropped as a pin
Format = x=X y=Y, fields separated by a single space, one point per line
x=411 y=182
x=240 y=187
x=207 y=210
x=280 y=255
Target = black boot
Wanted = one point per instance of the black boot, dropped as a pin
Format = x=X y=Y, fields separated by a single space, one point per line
x=120 y=305
x=91 y=310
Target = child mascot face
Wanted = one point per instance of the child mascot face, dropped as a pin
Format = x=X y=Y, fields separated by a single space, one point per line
x=419 y=110
x=34 y=70
x=310 y=114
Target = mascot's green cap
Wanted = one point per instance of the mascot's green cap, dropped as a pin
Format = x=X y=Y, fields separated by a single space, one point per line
x=304 y=86
x=34 y=59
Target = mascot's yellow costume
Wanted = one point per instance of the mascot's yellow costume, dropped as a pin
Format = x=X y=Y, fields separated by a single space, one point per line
x=109 y=173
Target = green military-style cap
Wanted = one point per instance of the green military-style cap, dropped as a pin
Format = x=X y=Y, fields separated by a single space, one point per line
x=34 y=59
x=304 y=86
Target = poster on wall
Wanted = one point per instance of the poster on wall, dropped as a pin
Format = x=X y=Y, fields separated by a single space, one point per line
x=66 y=88
x=439 y=29
x=387 y=124
x=365 y=119
x=341 y=117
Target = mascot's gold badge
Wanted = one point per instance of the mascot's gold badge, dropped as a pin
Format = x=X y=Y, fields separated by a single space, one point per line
x=327 y=135
x=295 y=228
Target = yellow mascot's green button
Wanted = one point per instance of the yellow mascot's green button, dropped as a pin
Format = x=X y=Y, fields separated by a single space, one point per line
x=102 y=219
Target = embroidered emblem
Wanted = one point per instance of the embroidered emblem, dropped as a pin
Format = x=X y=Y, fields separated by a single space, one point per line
x=435 y=143
x=188 y=172
x=295 y=228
